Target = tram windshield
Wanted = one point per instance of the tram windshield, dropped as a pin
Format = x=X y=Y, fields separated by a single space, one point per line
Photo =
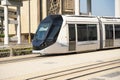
x=42 y=31
x=49 y=27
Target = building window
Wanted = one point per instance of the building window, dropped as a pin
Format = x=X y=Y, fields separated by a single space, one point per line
x=87 y=32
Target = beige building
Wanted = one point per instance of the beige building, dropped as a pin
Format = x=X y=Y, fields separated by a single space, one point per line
x=39 y=9
x=33 y=11
x=34 y=16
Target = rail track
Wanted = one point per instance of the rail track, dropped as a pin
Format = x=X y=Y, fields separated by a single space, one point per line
x=77 y=72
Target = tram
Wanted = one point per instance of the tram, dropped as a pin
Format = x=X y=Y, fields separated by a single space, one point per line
x=70 y=33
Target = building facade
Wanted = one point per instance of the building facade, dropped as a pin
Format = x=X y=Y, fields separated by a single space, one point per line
x=33 y=11
x=39 y=9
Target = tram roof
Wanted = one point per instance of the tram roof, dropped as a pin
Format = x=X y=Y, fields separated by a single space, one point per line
x=89 y=19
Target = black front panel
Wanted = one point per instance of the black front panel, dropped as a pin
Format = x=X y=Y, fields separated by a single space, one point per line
x=47 y=32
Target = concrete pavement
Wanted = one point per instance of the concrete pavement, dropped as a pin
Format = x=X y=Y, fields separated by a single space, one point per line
x=30 y=68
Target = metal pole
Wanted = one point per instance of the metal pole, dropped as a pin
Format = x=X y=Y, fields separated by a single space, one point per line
x=77 y=7
x=6 y=38
x=117 y=8
x=29 y=38
x=19 y=25
x=61 y=6
x=89 y=10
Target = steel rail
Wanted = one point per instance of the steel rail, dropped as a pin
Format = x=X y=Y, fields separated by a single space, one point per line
x=66 y=74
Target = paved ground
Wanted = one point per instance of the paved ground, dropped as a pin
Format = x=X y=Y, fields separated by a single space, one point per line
x=44 y=64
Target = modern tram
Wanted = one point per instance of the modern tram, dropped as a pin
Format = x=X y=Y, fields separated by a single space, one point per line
x=68 y=33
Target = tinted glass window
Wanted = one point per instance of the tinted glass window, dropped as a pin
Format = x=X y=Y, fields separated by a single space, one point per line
x=49 y=28
x=92 y=32
x=109 y=31
x=55 y=28
x=87 y=32
x=82 y=32
x=117 y=31
x=43 y=28
x=72 y=36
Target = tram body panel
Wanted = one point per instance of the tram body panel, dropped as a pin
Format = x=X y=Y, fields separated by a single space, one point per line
x=88 y=45
x=117 y=34
x=85 y=45
x=66 y=34
x=111 y=31
x=54 y=49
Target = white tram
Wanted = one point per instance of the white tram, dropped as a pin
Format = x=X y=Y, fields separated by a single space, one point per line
x=66 y=34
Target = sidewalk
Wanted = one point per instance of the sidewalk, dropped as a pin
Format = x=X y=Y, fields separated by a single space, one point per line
x=14 y=49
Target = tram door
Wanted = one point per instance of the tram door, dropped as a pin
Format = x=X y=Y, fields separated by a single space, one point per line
x=72 y=37
x=109 y=42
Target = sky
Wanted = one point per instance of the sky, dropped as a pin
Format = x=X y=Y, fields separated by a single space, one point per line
x=100 y=7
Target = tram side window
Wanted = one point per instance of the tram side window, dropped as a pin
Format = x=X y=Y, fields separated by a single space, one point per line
x=72 y=34
x=117 y=31
x=92 y=32
x=87 y=32
x=109 y=31
x=82 y=32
